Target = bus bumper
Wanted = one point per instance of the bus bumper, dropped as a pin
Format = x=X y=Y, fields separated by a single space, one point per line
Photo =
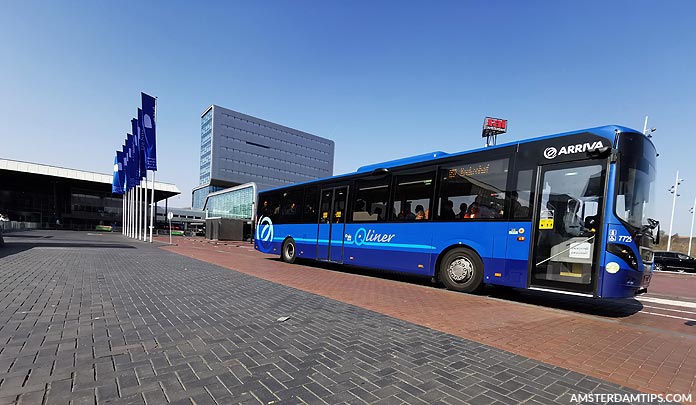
x=625 y=283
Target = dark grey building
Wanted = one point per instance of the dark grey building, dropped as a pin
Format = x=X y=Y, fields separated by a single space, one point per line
x=34 y=195
x=237 y=148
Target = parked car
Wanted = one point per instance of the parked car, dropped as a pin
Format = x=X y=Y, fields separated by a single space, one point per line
x=674 y=261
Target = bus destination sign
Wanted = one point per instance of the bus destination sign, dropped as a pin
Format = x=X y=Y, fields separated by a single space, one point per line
x=494 y=126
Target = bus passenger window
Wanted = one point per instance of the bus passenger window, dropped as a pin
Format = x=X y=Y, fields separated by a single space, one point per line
x=290 y=209
x=477 y=189
x=371 y=199
x=412 y=197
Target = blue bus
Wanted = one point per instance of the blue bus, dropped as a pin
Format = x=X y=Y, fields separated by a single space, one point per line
x=570 y=213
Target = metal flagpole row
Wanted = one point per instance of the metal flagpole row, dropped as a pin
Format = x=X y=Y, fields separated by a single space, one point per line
x=133 y=192
x=152 y=204
x=137 y=211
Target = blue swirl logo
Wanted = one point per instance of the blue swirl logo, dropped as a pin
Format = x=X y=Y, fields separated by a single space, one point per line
x=264 y=234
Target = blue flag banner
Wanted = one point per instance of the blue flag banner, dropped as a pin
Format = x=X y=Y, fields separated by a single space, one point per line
x=132 y=169
x=119 y=162
x=149 y=131
x=142 y=170
x=124 y=167
x=115 y=182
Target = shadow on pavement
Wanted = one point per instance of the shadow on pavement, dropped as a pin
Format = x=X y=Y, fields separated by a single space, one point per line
x=11 y=248
x=611 y=308
x=25 y=236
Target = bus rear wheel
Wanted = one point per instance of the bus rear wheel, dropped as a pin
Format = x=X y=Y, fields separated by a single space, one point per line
x=462 y=270
x=289 y=252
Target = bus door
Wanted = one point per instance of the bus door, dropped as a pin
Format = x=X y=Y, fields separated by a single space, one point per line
x=332 y=221
x=566 y=226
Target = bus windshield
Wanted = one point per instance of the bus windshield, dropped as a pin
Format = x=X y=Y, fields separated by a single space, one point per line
x=635 y=196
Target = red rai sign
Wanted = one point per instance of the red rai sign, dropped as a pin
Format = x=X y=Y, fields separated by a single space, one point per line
x=494 y=126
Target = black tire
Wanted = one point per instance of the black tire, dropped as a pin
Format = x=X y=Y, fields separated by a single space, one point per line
x=659 y=267
x=289 y=252
x=462 y=270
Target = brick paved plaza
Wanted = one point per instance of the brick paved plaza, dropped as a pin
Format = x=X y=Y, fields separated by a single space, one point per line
x=88 y=318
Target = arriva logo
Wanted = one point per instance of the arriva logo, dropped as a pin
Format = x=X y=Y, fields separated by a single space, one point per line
x=551 y=152
x=264 y=234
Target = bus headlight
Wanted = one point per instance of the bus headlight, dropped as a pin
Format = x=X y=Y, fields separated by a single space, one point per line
x=625 y=253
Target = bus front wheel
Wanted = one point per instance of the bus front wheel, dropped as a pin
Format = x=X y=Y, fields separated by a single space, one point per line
x=289 y=251
x=462 y=270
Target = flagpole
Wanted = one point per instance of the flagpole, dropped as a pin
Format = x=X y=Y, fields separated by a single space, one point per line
x=144 y=205
x=145 y=209
x=134 y=191
x=123 y=213
x=142 y=210
x=152 y=200
x=135 y=211
x=130 y=211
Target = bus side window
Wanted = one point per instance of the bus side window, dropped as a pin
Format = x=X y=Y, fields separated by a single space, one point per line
x=290 y=210
x=311 y=202
x=412 y=197
x=269 y=206
x=370 y=200
x=520 y=199
x=472 y=190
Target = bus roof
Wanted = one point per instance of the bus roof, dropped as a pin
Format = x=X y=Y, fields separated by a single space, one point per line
x=607 y=131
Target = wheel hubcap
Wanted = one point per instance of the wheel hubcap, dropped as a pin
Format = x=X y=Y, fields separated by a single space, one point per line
x=289 y=250
x=461 y=270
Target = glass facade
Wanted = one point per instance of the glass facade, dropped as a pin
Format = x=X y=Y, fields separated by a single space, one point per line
x=200 y=194
x=206 y=141
x=237 y=204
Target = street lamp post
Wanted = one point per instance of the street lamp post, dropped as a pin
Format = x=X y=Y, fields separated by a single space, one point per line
x=691 y=233
x=673 y=189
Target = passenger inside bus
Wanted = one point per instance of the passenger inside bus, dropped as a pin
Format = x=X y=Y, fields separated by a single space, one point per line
x=447 y=210
x=420 y=213
x=406 y=214
x=462 y=211
x=265 y=210
x=473 y=210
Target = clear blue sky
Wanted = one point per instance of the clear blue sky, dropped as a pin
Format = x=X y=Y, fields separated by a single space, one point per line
x=383 y=79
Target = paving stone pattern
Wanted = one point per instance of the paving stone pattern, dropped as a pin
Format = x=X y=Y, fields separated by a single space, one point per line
x=99 y=319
